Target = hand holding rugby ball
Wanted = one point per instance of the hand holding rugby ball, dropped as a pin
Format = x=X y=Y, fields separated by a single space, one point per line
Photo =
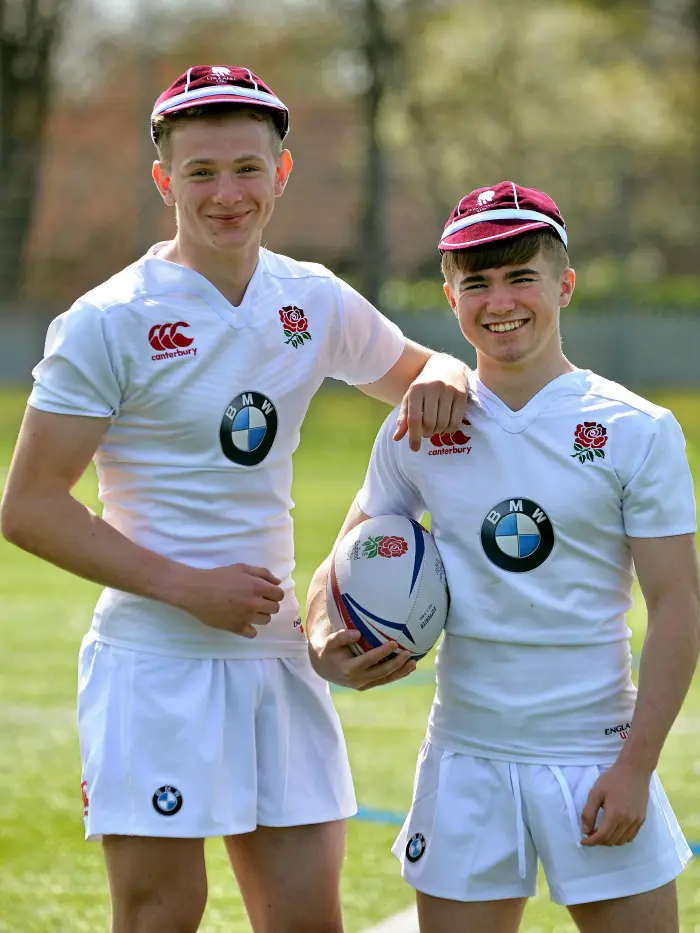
x=388 y=582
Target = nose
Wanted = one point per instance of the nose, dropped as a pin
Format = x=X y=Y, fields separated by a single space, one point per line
x=500 y=299
x=228 y=189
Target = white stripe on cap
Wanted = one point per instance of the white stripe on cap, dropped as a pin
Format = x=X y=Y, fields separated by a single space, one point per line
x=218 y=90
x=515 y=195
x=187 y=82
x=504 y=213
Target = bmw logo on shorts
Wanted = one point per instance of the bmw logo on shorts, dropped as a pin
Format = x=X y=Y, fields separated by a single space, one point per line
x=167 y=800
x=415 y=847
x=248 y=428
x=517 y=535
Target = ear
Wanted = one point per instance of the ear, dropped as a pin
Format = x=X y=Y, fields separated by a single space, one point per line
x=161 y=176
x=450 y=297
x=568 y=283
x=282 y=172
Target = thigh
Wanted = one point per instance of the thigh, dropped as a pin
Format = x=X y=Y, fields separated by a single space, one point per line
x=155 y=884
x=290 y=876
x=652 y=912
x=436 y=915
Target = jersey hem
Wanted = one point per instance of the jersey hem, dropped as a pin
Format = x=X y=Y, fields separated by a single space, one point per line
x=206 y=653
x=538 y=758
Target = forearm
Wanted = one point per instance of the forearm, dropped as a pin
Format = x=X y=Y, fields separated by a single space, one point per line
x=60 y=529
x=667 y=665
x=317 y=622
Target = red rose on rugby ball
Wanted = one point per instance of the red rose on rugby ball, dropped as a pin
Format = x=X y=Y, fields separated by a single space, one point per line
x=293 y=319
x=591 y=435
x=392 y=547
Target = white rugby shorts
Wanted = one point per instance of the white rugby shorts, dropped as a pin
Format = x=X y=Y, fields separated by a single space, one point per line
x=190 y=748
x=478 y=826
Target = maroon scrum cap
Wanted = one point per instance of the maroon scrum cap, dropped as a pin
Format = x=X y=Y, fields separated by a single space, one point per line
x=220 y=84
x=487 y=215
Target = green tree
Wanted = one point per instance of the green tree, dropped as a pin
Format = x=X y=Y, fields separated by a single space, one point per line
x=29 y=31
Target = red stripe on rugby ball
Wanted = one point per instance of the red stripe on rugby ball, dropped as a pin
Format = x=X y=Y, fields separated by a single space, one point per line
x=362 y=644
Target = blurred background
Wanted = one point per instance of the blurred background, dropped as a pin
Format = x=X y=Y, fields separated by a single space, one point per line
x=398 y=108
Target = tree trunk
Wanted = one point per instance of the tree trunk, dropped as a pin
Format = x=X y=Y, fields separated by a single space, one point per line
x=25 y=88
x=377 y=50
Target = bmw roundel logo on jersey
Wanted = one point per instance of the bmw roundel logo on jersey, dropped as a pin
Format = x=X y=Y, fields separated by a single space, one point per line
x=248 y=428
x=167 y=800
x=517 y=535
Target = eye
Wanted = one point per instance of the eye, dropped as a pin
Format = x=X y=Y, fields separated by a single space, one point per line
x=524 y=280
x=473 y=287
x=200 y=173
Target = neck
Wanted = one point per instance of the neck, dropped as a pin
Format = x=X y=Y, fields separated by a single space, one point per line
x=230 y=272
x=516 y=383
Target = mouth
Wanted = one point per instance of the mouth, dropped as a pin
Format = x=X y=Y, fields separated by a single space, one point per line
x=505 y=327
x=229 y=219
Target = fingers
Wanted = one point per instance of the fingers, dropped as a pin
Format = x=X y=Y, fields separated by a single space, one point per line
x=433 y=414
x=261 y=572
x=590 y=811
x=346 y=636
x=415 y=423
x=370 y=676
x=375 y=656
x=631 y=833
x=428 y=410
x=407 y=668
x=457 y=414
x=402 y=420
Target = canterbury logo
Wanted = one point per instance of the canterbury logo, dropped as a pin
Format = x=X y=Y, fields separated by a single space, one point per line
x=455 y=443
x=167 y=336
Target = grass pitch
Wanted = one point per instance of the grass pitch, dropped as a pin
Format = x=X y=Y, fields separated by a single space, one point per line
x=53 y=882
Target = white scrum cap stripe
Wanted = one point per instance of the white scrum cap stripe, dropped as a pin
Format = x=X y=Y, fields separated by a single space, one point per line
x=219 y=90
x=504 y=214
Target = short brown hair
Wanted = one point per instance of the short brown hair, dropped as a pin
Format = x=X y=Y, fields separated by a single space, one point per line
x=515 y=252
x=163 y=125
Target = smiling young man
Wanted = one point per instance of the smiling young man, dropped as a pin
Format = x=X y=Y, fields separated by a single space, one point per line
x=187 y=377
x=538 y=745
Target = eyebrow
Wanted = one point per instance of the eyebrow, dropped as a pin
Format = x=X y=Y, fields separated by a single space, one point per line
x=515 y=274
x=252 y=157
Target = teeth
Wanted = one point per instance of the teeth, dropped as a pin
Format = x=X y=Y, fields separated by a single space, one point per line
x=503 y=328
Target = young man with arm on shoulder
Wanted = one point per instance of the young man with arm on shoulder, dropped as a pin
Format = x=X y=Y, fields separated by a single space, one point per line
x=187 y=377
x=538 y=744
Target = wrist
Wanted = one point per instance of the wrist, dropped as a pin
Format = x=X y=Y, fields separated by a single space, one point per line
x=643 y=761
x=174 y=584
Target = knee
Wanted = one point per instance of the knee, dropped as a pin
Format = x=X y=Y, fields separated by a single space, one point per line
x=156 y=911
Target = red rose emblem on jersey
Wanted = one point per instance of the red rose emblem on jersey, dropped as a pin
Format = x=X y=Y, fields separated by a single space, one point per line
x=589 y=439
x=295 y=324
x=392 y=547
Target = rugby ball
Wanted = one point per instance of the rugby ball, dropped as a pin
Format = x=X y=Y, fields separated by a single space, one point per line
x=387 y=581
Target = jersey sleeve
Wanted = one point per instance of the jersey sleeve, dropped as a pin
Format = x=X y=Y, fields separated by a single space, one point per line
x=387 y=490
x=77 y=375
x=368 y=344
x=659 y=499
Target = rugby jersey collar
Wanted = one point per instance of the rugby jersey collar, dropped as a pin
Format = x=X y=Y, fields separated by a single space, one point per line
x=236 y=316
x=515 y=422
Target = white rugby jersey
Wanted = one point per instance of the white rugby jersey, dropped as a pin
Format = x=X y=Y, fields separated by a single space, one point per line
x=206 y=401
x=532 y=511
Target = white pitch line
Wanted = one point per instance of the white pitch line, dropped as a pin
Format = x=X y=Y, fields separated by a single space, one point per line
x=405 y=922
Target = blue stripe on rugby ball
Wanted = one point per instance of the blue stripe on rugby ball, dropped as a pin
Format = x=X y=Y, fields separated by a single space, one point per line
x=354 y=607
x=360 y=624
x=420 y=551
